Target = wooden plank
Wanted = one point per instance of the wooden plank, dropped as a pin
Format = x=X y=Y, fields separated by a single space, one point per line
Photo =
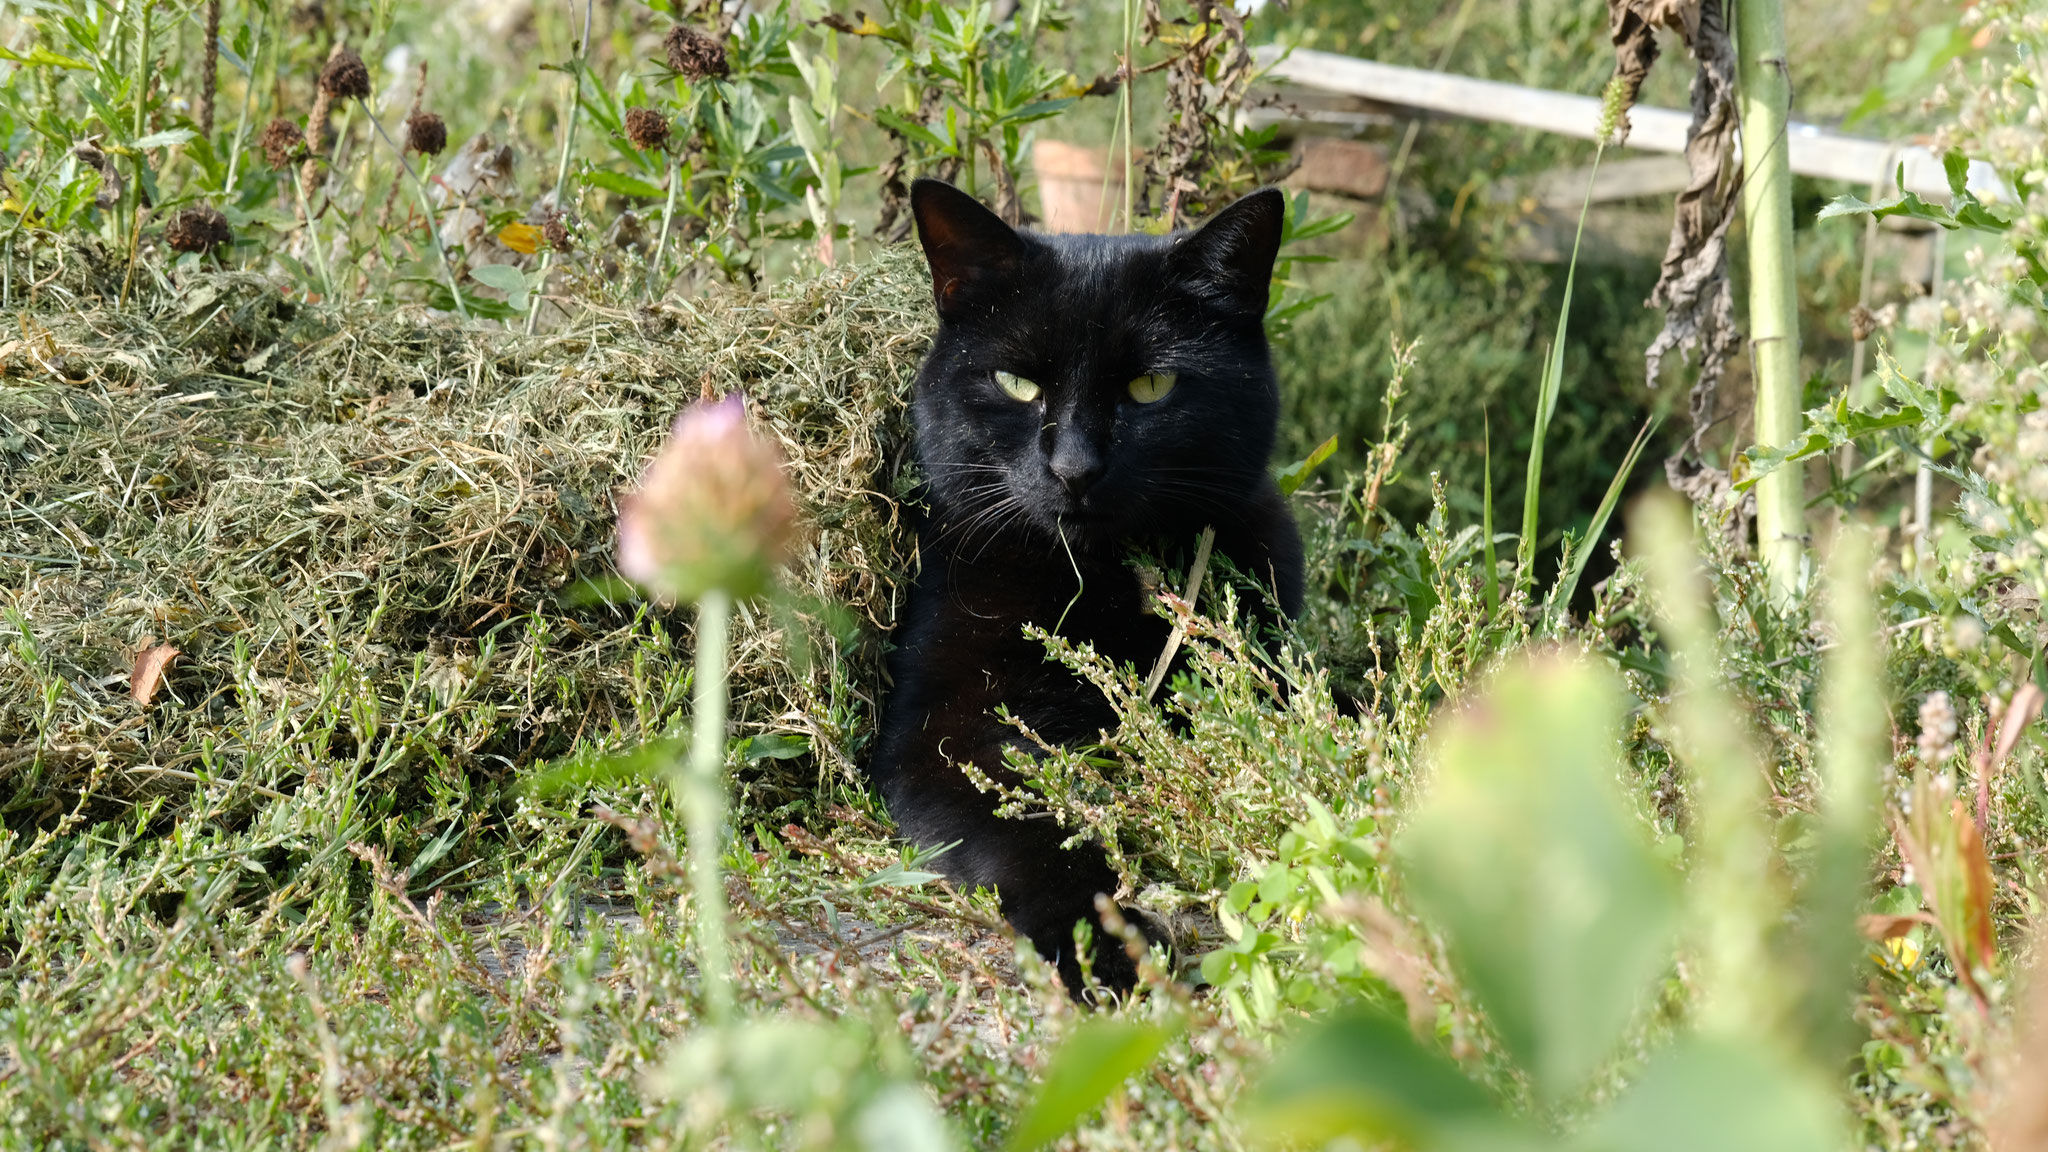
x=1815 y=151
x=1628 y=178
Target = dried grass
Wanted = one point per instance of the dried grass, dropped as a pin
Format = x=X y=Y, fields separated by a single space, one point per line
x=271 y=487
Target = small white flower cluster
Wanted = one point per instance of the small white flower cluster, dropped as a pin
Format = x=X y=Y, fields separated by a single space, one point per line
x=1937 y=729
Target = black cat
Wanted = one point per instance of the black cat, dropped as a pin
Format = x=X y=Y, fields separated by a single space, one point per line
x=1086 y=397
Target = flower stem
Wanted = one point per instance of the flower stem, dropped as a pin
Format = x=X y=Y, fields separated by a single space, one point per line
x=702 y=799
x=427 y=206
x=575 y=71
x=313 y=236
x=668 y=213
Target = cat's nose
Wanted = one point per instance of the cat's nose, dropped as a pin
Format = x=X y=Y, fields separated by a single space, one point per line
x=1077 y=465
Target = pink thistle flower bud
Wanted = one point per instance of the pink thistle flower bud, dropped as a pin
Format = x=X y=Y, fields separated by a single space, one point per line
x=712 y=510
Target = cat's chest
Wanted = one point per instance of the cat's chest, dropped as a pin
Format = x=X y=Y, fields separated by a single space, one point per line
x=985 y=611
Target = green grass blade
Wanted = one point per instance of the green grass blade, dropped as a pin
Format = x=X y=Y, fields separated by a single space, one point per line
x=1575 y=558
x=1486 y=516
x=1546 y=402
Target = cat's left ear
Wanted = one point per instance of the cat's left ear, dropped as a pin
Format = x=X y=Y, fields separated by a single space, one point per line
x=1235 y=250
x=968 y=247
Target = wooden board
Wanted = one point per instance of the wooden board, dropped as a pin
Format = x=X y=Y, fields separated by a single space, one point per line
x=1815 y=151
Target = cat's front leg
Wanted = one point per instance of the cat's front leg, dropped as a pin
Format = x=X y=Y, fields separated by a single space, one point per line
x=1045 y=889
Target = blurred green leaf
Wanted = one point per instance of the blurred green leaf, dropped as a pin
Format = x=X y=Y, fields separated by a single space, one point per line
x=1092 y=1063
x=1557 y=910
x=41 y=57
x=1715 y=1095
x=623 y=184
x=902 y=1119
x=165 y=139
x=1363 y=1075
x=1855 y=748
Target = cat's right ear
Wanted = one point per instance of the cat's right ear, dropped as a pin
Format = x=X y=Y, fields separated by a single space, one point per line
x=968 y=247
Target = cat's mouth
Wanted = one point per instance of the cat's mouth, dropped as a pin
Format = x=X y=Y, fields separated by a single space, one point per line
x=1087 y=522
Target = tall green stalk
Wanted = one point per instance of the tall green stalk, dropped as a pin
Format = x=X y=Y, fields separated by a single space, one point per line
x=426 y=206
x=702 y=796
x=1546 y=398
x=655 y=282
x=1737 y=906
x=575 y=70
x=1766 y=102
x=141 y=166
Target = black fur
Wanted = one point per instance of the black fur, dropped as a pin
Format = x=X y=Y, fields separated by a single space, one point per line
x=1021 y=495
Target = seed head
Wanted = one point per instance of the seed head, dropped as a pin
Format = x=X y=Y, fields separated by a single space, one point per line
x=345 y=77
x=282 y=143
x=646 y=128
x=694 y=54
x=556 y=233
x=1937 y=729
x=712 y=510
x=200 y=228
x=426 y=133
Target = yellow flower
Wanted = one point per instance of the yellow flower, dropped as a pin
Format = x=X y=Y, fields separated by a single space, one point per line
x=519 y=237
x=1900 y=953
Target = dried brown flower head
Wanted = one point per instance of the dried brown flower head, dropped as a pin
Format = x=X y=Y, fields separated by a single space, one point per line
x=556 y=233
x=345 y=77
x=426 y=133
x=646 y=128
x=712 y=510
x=282 y=142
x=200 y=228
x=694 y=54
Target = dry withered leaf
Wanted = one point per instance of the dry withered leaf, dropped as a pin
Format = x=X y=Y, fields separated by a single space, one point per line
x=1632 y=26
x=1692 y=288
x=148 y=674
x=1979 y=886
x=2022 y=711
x=1881 y=927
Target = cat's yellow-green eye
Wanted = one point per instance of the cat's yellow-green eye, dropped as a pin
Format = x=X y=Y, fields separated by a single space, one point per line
x=1016 y=387
x=1152 y=387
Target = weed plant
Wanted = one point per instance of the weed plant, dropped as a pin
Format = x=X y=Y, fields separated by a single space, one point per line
x=333 y=748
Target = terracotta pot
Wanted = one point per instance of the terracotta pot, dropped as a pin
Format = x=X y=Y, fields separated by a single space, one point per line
x=1077 y=189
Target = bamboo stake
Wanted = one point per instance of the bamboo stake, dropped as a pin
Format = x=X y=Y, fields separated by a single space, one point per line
x=1765 y=102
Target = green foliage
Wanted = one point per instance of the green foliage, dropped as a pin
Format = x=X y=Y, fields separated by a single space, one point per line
x=1964 y=209
x=1548 y=891
x=381 y=867
x=1557 y=913
x=1093 y=1061
x=1363 y=1073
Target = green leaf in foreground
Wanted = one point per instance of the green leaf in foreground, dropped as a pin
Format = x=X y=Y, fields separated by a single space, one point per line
x=1713 y=1095
x=1363 y=1076
x=1556 y=908
x=1093 y=1062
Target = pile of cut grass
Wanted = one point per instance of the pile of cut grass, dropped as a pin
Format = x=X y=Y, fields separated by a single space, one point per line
x=300 y=897
x=295 y=495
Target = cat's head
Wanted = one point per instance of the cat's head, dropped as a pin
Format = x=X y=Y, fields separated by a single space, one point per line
x=1100 y=388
